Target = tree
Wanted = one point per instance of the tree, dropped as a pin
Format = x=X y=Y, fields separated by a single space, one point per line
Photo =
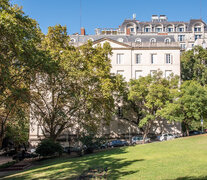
x=189 y=106
x=19 y=59
x=79 y=90
x=150 y=94
x=194 y=65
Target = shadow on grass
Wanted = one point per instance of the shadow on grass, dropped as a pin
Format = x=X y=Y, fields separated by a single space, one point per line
x=192 y=178
x=72 y=168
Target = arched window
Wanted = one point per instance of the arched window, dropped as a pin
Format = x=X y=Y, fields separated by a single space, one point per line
x=167 y=40
x=152 y=40
x=72 y=40
x=120 y=40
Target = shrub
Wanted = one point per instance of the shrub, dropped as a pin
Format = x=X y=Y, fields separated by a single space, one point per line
x=48 y=147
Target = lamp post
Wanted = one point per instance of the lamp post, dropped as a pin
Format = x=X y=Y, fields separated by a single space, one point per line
x=129 y=134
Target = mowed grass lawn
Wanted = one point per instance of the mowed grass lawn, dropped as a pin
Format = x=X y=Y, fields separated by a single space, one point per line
x=184 y=158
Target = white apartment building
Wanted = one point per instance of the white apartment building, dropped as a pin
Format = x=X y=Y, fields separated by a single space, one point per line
x=188 y=34
x=138 y=49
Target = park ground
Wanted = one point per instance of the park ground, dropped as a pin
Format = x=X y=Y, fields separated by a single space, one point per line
x=181 y=159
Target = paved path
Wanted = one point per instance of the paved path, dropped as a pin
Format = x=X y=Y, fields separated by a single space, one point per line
x=5 y=159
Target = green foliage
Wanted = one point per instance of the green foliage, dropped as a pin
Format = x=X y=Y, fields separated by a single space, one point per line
x=48 y=147
x=189 y=106
x=20 y=58
x=78 y=91
x=150 y=94
x=193 y=65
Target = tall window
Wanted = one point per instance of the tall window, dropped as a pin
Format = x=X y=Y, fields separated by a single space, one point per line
x=197 y=29
x=197 y=36
x=182 y=46
x=153 y=58
x=168 y=59
x=138 y=58
x=120 y=59
x=180 y=29
x=147 y=29
x=138 y=74
x=169 y=29
x=181 y=38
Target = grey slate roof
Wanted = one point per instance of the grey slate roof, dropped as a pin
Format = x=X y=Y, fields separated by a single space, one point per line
x=126 y=38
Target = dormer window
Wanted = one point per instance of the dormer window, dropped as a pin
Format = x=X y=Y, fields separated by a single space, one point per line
x=197 y=28
x=167 y=40
x=72 y=40
x=153 y=40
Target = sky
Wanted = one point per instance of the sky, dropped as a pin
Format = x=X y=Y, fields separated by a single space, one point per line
x=92 y=14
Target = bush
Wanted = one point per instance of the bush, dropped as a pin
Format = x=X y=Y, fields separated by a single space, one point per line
x=48 y=147
x=90 y=143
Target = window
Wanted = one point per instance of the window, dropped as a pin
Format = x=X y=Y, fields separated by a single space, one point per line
x=120 y=58
x=120 y=112
x=132 y=29
x=170 y=29
x=182 y=46
x=168 y=58
x=147 y=29
x=197 y=36
x=167 y=40
x=181 y=38
x=138 y=74
x=120 y=72
x=158 y=29
x=153 y=40
x=180 y=29
x=72 y=40
x=197 y=29
x=153 y=58
x=152 y=72
x=168 y=73
x=138 y=58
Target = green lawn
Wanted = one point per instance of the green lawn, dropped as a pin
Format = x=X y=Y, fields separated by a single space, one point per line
x=184 y=158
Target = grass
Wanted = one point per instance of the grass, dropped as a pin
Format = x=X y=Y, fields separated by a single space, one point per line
x=180 y=159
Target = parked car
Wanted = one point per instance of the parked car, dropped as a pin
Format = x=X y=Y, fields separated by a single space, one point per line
x=118 y=143
x=194 y=132
x=166 y=137
x=105 y=145
x=139 y=140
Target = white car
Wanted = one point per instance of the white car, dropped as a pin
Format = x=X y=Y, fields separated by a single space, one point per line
x=139 y=140
x=166 y=137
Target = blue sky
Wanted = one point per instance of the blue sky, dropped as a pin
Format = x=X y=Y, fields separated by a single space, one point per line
x=107 y=13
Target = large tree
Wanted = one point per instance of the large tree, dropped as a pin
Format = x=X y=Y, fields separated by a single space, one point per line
x=150 y=94
x=189 y=106
x=79 y=90
x=194 y=65
x=19 y=58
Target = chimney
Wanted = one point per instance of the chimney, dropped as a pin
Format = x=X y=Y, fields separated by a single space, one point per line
x=128 y=31
x=83 y=31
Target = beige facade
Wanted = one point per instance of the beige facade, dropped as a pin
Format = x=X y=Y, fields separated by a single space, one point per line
x=132 y=60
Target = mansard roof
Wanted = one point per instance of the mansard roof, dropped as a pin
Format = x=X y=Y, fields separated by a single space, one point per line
x=125 y=38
